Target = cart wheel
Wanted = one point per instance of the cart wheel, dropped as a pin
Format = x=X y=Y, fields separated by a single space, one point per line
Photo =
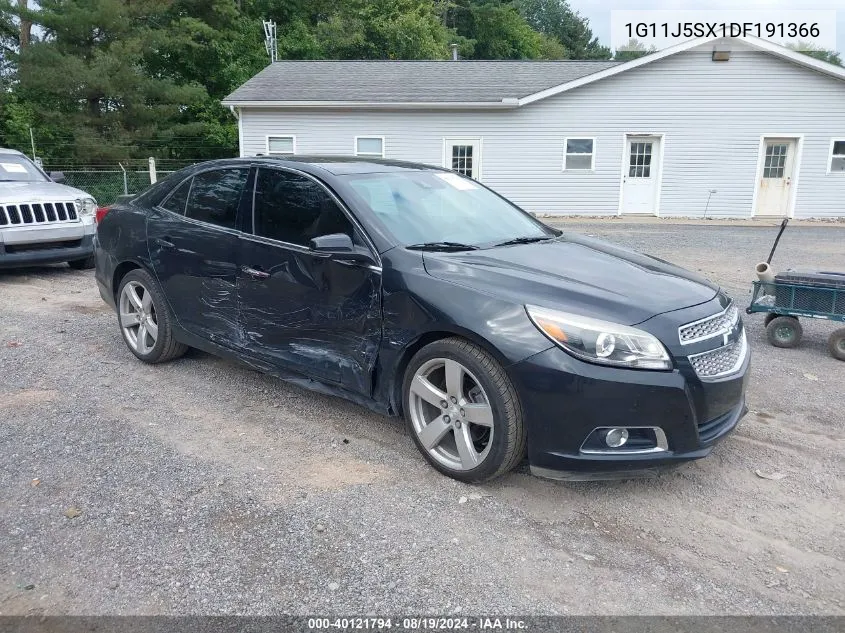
x=771 y=316
x=836 y=344
x=784 y=331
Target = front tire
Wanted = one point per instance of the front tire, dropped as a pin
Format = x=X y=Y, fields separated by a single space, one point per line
x=83 y=264
x=784 y=331
x=145 y=320
x=463 y=412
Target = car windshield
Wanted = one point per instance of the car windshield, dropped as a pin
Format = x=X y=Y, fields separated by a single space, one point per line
x=433 y=207
x=16 y=168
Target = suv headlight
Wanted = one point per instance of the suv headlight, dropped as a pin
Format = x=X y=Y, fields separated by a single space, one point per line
x=601 y=342
x=86 y=207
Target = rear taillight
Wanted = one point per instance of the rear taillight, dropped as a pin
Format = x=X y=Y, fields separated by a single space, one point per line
x=101 y=213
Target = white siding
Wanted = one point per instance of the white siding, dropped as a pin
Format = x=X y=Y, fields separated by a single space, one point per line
x=712 y=114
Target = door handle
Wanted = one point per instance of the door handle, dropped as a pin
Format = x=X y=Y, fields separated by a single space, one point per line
x=255 y=273
x=164 y=242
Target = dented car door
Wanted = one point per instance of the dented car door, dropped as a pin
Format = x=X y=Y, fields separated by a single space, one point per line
x=193 y=245
x=310 y=312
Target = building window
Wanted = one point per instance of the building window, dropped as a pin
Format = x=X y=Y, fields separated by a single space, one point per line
x=579 y=154
x=837 y=155
x=281 y=145
x=775 y=162
x=639 y=161
x=369 y=146
x=462 y=159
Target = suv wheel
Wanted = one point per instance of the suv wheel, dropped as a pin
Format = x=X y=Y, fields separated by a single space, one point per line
x=145 y=320
x=82 y=264
x=463 y=411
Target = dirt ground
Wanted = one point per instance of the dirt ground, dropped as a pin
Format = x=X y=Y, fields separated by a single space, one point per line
x=203 y=487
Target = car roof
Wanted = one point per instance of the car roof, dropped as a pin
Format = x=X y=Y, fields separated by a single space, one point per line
x=334 y=165
x=6 y=150
x=340 y=165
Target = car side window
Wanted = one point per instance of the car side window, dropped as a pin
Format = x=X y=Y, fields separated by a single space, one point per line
x=178 y=199
x=215 y=196
x=292 y=208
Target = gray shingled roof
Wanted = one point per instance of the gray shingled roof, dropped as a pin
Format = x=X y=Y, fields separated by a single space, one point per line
x=409 y=81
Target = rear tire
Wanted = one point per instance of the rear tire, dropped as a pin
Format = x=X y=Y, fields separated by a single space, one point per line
x=784 y=331
x=82 y=264
x=462 y=411
x=145 y=320
x=836 y=344
x=771 y=316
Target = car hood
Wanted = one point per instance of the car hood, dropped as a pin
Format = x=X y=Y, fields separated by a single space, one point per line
x=22 y=192
x=576 y=274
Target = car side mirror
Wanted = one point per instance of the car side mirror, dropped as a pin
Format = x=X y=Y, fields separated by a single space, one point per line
x=340 y=244
x=333 y=243
x=57 y=176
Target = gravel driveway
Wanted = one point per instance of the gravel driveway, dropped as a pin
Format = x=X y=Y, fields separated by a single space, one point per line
x=203 y=487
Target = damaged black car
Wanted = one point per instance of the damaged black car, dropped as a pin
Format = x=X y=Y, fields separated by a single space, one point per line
x=423 y=294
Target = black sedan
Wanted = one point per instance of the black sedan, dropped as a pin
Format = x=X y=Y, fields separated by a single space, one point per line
x=423 y=294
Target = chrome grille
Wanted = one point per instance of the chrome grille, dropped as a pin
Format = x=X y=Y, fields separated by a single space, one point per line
x=722 y=361
x=37 y=213
x=715 y=325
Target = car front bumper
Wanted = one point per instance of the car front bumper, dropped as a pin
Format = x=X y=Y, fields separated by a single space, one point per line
x=565 y=400
x=46 y=243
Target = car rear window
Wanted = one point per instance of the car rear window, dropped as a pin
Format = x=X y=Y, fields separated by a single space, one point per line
x=215 y=196
x=178 y=199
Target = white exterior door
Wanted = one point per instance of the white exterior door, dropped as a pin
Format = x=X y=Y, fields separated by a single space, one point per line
x=774 y=182
x=463 y=155
x=640 y=171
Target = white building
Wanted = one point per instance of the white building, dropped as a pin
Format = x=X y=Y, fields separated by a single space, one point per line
x=734 y=127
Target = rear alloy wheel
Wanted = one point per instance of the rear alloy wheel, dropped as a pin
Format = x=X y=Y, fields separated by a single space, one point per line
x=784 y=331
x=836 y=344
x=145 y=320
x=463 y=411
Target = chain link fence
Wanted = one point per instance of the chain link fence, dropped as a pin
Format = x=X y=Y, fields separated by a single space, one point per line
x=106 y=182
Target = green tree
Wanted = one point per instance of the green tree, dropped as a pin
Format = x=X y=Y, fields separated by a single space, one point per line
x=383 y=29
x=634 y=49
x=494 y=29
x=557 y=20
x=105 y=80
x=829 y=56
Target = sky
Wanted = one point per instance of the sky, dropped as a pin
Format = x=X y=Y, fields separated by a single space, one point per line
x=598 y=11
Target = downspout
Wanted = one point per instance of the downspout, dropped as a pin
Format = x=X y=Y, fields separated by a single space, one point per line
x=237 y=114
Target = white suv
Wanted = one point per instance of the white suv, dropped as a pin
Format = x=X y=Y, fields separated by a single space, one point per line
x=42 y=221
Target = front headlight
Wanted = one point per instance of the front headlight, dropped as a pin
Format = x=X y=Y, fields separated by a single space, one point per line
x=86 y=207
x=602 y=342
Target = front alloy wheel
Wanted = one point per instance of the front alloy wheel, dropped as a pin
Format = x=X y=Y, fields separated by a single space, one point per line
x=451 y=414
x=463 y=411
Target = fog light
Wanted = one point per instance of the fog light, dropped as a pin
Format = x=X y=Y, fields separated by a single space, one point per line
x=616 y=437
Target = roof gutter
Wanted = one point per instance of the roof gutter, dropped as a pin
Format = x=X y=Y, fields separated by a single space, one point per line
x=507 y=102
